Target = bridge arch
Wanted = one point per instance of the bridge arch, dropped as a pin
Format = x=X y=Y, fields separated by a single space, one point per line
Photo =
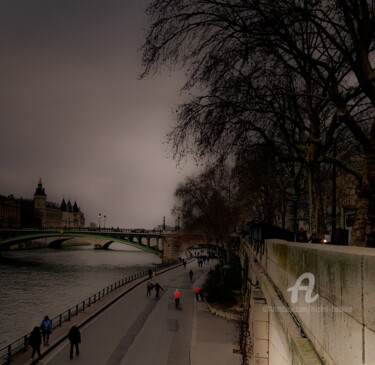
x=54 y=239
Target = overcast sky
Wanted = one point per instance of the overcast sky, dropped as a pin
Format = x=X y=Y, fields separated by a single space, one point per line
x=74 y=113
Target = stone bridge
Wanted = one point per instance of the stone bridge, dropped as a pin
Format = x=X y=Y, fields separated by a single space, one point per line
x=168 y=245
x=23 y=239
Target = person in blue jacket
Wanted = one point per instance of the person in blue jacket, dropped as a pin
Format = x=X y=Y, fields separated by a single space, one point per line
x=46 y=327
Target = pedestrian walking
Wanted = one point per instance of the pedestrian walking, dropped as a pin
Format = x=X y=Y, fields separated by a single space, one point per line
x=177 y=298
x=46 y=327
x=149 y=288
x=35 y=340
x=197 y=292
x=302 y=236
x=157 y=287
x=191 y=275
x=75 y=339
x=149 y=273
x=315 y=238
x=184 y=262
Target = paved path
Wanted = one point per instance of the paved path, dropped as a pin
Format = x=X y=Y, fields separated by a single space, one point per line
x=140 y=330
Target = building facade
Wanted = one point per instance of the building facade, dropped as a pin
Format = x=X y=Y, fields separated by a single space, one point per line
x=38 y=212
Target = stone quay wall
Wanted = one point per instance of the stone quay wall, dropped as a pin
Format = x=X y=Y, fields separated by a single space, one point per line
x=311 y=303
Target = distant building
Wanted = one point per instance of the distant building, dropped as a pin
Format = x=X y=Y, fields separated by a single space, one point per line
x=39 y=213
x=10 y=211
x=161 y=227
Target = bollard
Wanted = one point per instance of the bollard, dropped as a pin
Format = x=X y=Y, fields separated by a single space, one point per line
x=60 y=320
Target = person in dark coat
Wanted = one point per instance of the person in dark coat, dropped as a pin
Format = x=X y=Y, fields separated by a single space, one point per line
x=149 y=287
x=302 y=236
x=35 y=340
x=75 y=339
x=157 y=287
x=315 y=238
x=191 y=275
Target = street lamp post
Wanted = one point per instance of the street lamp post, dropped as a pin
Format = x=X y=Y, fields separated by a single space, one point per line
x=99 y=216
x=333 y=212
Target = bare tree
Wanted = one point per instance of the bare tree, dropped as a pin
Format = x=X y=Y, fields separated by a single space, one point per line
x=276 y=72
x=264 y=188
x=205 y=204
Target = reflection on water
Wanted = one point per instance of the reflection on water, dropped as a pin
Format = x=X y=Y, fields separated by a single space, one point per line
x=35 y=283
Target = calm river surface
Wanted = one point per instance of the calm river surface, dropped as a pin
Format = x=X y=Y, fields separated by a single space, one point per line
x=39 y=282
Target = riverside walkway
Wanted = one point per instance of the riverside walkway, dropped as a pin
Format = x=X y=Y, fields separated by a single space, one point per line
x=135 y=329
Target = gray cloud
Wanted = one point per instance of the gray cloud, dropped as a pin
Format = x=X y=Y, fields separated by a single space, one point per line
x=73 y=112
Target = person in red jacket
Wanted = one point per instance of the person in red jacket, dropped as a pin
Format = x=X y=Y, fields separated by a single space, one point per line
x=197 y=293
x=177 y=298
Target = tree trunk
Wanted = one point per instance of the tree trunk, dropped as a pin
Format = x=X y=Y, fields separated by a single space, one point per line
x=364 y=226
x=316 y=210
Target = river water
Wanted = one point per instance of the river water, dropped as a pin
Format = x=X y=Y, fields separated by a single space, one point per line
x=39 y=282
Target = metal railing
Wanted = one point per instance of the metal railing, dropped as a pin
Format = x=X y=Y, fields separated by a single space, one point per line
x=21 y=344
x=258 y=232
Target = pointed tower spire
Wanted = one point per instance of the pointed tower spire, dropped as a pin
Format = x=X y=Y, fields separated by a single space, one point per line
x=40 y=190
x=63 y=206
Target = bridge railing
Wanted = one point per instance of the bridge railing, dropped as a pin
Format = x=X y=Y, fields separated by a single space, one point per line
x=21 y=344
